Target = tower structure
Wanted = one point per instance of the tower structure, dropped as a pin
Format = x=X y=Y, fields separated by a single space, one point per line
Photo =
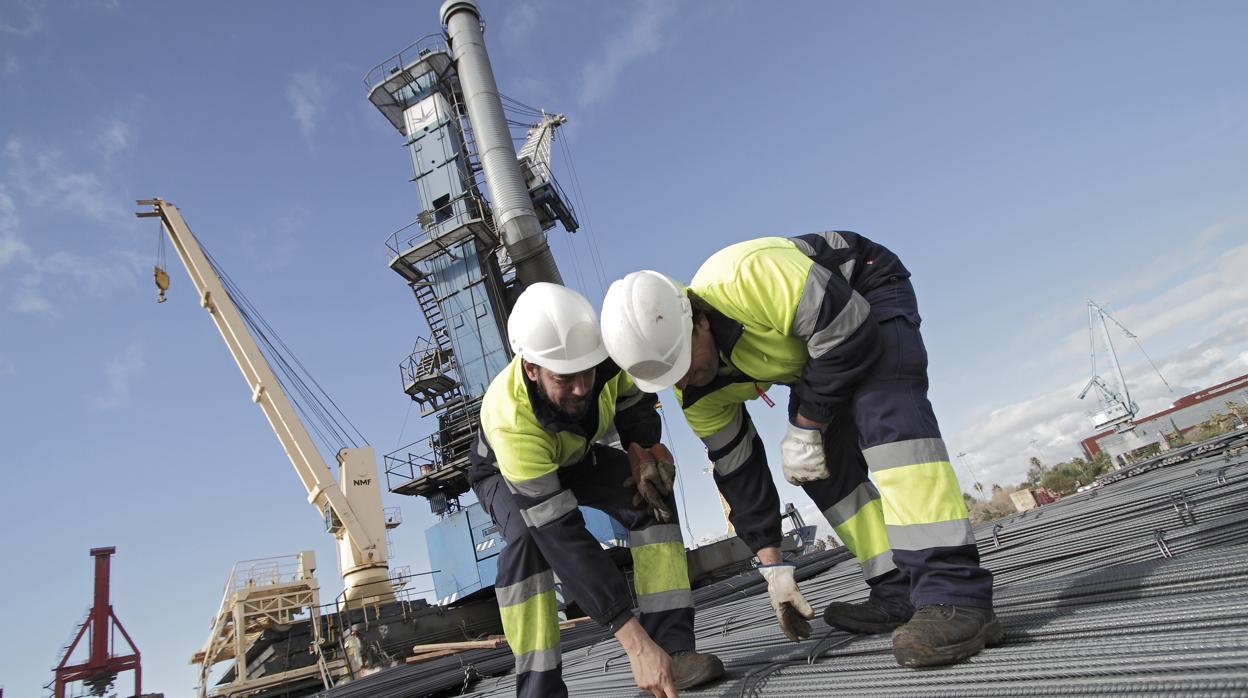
x=102 y=665
x=465 y=259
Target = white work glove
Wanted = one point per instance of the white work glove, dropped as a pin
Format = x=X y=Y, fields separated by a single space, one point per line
x=802 y=455
x=787 y=601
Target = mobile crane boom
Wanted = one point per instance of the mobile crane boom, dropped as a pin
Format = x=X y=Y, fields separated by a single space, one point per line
x=352 y=508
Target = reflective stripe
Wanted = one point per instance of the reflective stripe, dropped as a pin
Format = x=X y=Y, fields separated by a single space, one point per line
x=901 y=453
x=724 y=435
x=864 y=533
x=540 y=486
x=483 y=449
x=737 y=457
x=842 y=326
x=835 y=240
x=660 y=567
x=847 y=269
x=931 y=535
x=807 y=313
x=627 y=400
x=665 y=601
x=661 y=533
x=539 y=660
x=525 y=589
x=845 y=509
x=920 y=494
x=532 y=625
x=878 y=565
x=549 y=510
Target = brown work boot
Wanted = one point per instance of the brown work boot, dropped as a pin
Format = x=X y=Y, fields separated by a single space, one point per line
x=941 y=634
x=868 y=617
x=695 y=668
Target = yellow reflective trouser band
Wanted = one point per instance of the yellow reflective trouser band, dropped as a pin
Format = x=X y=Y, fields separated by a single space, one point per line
x=532 y=624
x=864 y=533
x=921 y=493
x=660 y=567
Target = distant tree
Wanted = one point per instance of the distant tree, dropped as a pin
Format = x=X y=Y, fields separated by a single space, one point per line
x=1062 y=478
x=1098 y=466
x=1036 y=473
x=997 y=506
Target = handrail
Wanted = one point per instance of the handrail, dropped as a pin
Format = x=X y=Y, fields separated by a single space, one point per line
x=425 y=44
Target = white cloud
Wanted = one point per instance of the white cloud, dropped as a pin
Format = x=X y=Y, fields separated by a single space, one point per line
x=41 y=174
x=308 y=93
x=37 y=280
x=640 y=36
x=118 y=374
x=115 y=137
x=1050 y=426
x=524 y=17
x=12 y=247
x=29 y=299
x=1172 y=292
x=11 y=66
x=21 y=18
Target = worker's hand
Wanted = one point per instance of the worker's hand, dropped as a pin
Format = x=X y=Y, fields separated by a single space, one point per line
x=652 y=667
x=802 y=455
x=653 y=472
x=792 y=611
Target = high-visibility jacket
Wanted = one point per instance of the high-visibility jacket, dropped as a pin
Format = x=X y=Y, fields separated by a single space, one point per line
x=523 y=438
x=788 y=311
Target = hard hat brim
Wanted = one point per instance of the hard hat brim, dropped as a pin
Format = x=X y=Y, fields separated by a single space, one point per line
x=673 y=374
x=569 y=366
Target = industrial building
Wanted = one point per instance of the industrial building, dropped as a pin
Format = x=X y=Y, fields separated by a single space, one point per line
x=1157 y=432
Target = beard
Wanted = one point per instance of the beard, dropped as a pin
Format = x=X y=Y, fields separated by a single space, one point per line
x=569 y=409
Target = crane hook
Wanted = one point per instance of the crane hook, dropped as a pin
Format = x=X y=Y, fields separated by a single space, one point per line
x=162 y=284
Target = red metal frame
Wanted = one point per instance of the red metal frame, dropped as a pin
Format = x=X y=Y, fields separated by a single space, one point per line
x=101 y=664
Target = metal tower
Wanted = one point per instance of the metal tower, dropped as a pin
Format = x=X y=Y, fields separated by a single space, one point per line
x=100 y=669
x=465 y=260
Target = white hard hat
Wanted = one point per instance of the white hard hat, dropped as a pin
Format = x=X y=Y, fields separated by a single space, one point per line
x=554 y=327
x=647 y=325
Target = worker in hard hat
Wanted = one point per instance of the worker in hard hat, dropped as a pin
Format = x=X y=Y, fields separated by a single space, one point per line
x=833 y=316
x=537 y=458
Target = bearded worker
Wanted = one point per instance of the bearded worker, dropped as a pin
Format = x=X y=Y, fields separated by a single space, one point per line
x=537 y=459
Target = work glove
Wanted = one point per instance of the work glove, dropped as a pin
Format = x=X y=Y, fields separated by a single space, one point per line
x=802 y=455
x=787 y=601
x=653 y=471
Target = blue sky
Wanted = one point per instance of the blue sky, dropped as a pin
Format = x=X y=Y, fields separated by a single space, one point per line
x=1021 y=158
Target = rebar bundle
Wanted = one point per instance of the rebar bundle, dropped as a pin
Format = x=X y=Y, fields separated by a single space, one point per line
x=1138 y=587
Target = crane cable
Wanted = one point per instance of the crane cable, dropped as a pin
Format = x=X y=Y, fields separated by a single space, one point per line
x=310 y=399
x=161 y=276
x=591 y=238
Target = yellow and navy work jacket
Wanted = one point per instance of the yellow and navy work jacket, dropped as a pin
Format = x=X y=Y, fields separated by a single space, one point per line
x=788 y=311
x=525 y=440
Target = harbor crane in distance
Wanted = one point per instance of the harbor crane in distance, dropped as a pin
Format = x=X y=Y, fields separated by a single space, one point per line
x=351 y=507
x=1116 y=410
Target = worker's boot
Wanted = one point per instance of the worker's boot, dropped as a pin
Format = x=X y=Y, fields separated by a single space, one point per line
x=941 y=634
x=695 y=668
x=868 y=617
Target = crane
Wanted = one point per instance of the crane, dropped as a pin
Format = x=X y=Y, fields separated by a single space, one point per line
x=1117 y=410
x=352 y=508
